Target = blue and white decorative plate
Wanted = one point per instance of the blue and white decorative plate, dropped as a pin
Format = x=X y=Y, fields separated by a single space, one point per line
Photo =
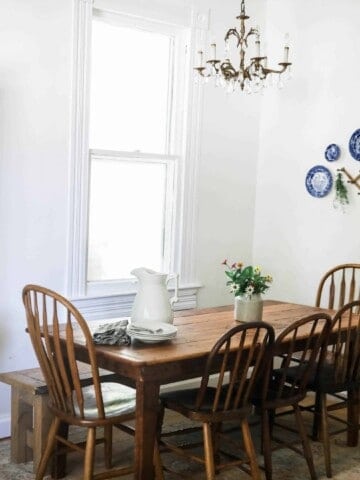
x=318 y=181
x=354 y=145
x=332 y=152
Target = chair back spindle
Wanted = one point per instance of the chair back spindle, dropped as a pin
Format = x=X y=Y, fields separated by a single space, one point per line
x=304 y=340
x=243 y=350
x=45 y=312
x=344 y=345
x=339 y=286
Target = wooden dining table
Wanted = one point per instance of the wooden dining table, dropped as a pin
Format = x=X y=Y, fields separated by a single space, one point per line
x=147 y=367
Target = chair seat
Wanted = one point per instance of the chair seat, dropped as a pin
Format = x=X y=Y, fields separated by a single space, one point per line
x=118 y=400
x=325 y=381
x=184 y=401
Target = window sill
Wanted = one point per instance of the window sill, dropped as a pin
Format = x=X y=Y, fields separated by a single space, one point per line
x=120 y=305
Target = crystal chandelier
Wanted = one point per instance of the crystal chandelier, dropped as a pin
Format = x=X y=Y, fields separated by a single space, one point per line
x=250 y=77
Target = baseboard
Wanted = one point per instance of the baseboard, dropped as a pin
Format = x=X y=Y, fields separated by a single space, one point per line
x=5 y=423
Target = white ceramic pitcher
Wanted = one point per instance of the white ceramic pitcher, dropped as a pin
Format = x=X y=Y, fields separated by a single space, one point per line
x=152 y=303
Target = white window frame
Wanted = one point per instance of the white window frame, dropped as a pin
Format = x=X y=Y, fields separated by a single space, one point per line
x=116 y=301
x=95 y=288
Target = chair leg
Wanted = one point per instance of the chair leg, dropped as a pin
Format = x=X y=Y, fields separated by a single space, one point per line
x=49 y=449
x=353 y=412
x=89 y=454
x=305 y=442
x=58 y=469
x=266 y=443
x=325 y=435
x=209 y=452
x=317 y=416
x=108 y=431
x=159 y=474
x=250 y=450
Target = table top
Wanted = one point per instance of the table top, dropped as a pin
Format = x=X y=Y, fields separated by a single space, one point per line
x=197 y=333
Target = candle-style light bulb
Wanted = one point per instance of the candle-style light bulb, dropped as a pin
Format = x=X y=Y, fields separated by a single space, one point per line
x=242 y=7
x=286 y=48
x=213 y=51
x=257 y=42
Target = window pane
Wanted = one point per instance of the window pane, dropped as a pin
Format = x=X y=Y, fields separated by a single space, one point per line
x=126 y=222
x=129 y=89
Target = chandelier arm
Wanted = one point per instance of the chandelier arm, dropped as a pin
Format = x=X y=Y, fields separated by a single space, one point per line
x=271 y=70
x=235 y=33
x=228 y=71
x=201 y=72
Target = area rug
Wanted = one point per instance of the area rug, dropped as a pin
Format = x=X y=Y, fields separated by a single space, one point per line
x=287 y=465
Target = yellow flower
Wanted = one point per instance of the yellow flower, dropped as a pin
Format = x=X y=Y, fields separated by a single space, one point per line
x=239 y=264
x=257 y=270
x=269 y=278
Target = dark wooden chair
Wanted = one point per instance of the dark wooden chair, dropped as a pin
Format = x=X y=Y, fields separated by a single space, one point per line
x=286 y=385
x=239 y=356
x=91 y=406
x=339 y=286
x=339 y=371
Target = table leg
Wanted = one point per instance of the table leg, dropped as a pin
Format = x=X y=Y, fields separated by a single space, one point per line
x=147 y=407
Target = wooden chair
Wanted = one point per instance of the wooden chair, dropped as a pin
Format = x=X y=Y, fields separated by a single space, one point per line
x=286 y=385
x=96 y=405
x=339 y=286
x=339 y=371
x=242 y=351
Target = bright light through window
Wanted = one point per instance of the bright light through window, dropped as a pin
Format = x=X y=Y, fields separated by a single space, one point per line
x=129 y=89
x=126 y=224
x=130 y=198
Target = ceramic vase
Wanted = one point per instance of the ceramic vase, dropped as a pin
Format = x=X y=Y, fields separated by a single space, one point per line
x=248 y=309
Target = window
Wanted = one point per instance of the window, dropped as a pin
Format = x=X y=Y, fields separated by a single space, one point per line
x=134 y=167
x=132 y=170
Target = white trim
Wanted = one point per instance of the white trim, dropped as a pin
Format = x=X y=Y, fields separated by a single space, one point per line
x=79 y=173
x=5 y=426
x=112 y=306
x=194 y=116
x=148 y=157
x=156 y=10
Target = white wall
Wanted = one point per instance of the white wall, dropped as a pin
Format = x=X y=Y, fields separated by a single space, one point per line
x=299 y=237
x=229 y=151
x=35 y=88
x=35 y=122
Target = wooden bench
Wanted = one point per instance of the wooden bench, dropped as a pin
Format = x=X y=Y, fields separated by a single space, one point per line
x=30 y=415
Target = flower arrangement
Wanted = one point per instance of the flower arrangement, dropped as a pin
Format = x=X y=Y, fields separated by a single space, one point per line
x=246 y=280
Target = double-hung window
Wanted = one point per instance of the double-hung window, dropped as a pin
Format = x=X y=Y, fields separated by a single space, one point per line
x=131 y=202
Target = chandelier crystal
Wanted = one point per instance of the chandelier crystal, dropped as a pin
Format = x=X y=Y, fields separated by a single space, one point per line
x=251 y=76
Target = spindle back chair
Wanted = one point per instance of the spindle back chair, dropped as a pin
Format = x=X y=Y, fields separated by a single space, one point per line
x=285 y=383
x=238 y=357
x=92 y=406
x=339 y=372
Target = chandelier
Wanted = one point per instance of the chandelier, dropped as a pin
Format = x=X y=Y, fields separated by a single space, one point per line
x=252 y=76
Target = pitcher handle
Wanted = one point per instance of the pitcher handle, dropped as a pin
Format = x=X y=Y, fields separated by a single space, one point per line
x=175 y=298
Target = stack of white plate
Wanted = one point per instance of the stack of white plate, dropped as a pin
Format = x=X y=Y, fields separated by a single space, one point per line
x=152 y=332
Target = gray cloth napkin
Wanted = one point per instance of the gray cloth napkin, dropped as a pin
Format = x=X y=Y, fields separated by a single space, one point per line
x=112 y=334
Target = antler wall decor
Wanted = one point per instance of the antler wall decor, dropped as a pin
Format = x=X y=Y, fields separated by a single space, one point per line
x=352 y=180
